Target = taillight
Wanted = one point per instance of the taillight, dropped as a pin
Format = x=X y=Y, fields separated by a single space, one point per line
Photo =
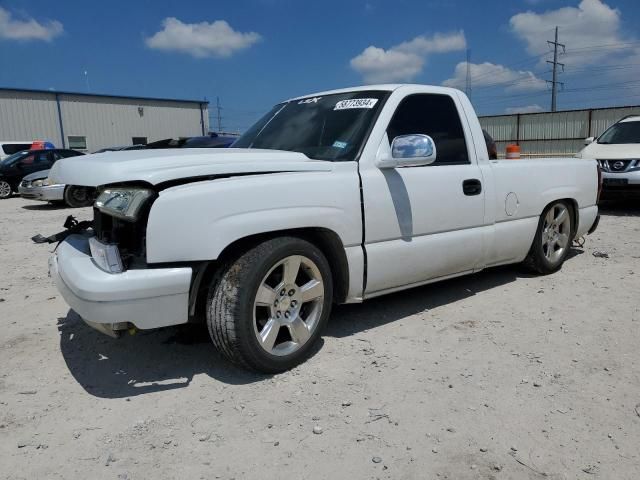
x=599 y=183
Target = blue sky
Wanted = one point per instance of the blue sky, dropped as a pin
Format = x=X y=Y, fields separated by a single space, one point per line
x=254 y=53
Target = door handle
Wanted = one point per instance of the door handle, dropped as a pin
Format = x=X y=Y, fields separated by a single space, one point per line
x=472 y=186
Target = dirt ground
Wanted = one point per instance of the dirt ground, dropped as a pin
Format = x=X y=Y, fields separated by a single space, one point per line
x=500 y=375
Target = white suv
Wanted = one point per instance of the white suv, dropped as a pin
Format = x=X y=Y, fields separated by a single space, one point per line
x=9 y=148
x=618 y=153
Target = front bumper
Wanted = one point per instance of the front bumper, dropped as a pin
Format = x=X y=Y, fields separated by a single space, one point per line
x=49 y=193
x=620 y=183
x=147 y=298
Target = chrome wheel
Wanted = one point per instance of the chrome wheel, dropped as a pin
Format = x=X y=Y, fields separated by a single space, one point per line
x=288 y=305
x=5 y=189
x=556 y=231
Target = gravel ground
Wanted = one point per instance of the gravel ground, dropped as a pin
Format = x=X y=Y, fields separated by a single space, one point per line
x=500 y=375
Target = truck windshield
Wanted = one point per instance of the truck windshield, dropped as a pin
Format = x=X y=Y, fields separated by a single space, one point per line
x=620 y=133
x=327 y=127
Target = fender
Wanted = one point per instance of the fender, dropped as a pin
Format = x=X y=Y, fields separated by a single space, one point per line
x=196 y=221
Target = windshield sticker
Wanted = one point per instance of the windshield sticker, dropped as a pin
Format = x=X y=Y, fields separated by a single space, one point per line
x=356 y=103
x=309 y=100
x=339 y=144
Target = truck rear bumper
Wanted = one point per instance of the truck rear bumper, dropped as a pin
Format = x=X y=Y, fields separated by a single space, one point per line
x=588 y=216
x=147 y=298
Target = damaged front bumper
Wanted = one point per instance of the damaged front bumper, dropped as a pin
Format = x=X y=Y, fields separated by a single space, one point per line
x=112 y=302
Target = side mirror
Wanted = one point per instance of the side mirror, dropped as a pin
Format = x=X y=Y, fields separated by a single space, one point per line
x=589 y=141
x=410 y=151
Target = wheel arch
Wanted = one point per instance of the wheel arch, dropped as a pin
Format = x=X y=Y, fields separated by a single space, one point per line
x=326 y=240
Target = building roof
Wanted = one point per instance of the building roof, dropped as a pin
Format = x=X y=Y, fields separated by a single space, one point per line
x=102 y=95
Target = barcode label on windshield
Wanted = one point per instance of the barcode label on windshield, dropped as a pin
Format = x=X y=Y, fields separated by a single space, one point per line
x=356 y=103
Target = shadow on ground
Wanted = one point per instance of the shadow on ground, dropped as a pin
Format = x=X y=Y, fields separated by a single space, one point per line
x=169 y=358
x=150 y=361
x=46 y=206
x=620 y=208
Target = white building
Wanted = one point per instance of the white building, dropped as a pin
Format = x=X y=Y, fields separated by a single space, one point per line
x=89 y=122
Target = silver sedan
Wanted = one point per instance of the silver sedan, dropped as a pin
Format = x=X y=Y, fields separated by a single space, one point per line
x=37 y=187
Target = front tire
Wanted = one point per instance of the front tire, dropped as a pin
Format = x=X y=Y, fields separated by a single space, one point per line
x=5 y=189
x=77 y=197
x=267 y=308
x=553 y=239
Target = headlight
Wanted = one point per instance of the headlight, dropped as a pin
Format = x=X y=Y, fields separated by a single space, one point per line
x=37 y=183
x=46 y=182
x=124 y=203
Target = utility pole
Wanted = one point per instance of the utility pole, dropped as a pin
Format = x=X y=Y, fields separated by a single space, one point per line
x=467 y=90
x=554 y=83
x=219 y=108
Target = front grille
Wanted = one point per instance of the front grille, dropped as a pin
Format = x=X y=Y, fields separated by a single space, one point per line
x=618 y=166
x=130 y=237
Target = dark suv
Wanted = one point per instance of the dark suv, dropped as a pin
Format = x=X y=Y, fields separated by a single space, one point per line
x=16 y=166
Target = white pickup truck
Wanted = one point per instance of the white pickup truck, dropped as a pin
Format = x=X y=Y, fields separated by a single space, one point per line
x=331 y=198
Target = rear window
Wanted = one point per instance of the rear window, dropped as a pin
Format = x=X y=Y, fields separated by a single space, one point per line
x=11 y=148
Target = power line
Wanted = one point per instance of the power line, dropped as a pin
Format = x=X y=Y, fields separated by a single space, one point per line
x=218 y=109
x=554 y=82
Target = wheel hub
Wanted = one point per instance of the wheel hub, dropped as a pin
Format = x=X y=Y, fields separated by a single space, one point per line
x=288 y=305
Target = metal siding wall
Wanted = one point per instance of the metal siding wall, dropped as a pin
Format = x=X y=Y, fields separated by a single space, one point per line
x=500 y=128
x=111 y=121
x=552 y=134
x=29 y=116
x=553 y=126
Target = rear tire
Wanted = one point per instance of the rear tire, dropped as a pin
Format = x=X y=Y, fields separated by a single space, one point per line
x=77 y=197
x=267 y=308
x=553 y=239
x=5 y=189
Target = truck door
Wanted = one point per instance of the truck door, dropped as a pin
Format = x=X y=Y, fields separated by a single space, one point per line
x=423 y=223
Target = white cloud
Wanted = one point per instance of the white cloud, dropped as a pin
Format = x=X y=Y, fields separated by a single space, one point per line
x=439 y=43
x=216 y=39
x=12 y=28
x=525 y=109
x=405 y=61
x=377 y=65
x=592 y=22
x=491 y=75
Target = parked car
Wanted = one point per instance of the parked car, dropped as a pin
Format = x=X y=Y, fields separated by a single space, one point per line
x=336 y=197
x=9 y=148
x=121 y=148
x=17 y=166
x=618 y=153
x=212 y=140
x=37 y=186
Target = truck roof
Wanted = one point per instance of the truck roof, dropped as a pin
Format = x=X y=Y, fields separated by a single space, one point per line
x=635 y=118
x=389 y=87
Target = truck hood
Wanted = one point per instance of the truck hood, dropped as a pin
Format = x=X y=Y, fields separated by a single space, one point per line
x=160 y=166
x=611 y=151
